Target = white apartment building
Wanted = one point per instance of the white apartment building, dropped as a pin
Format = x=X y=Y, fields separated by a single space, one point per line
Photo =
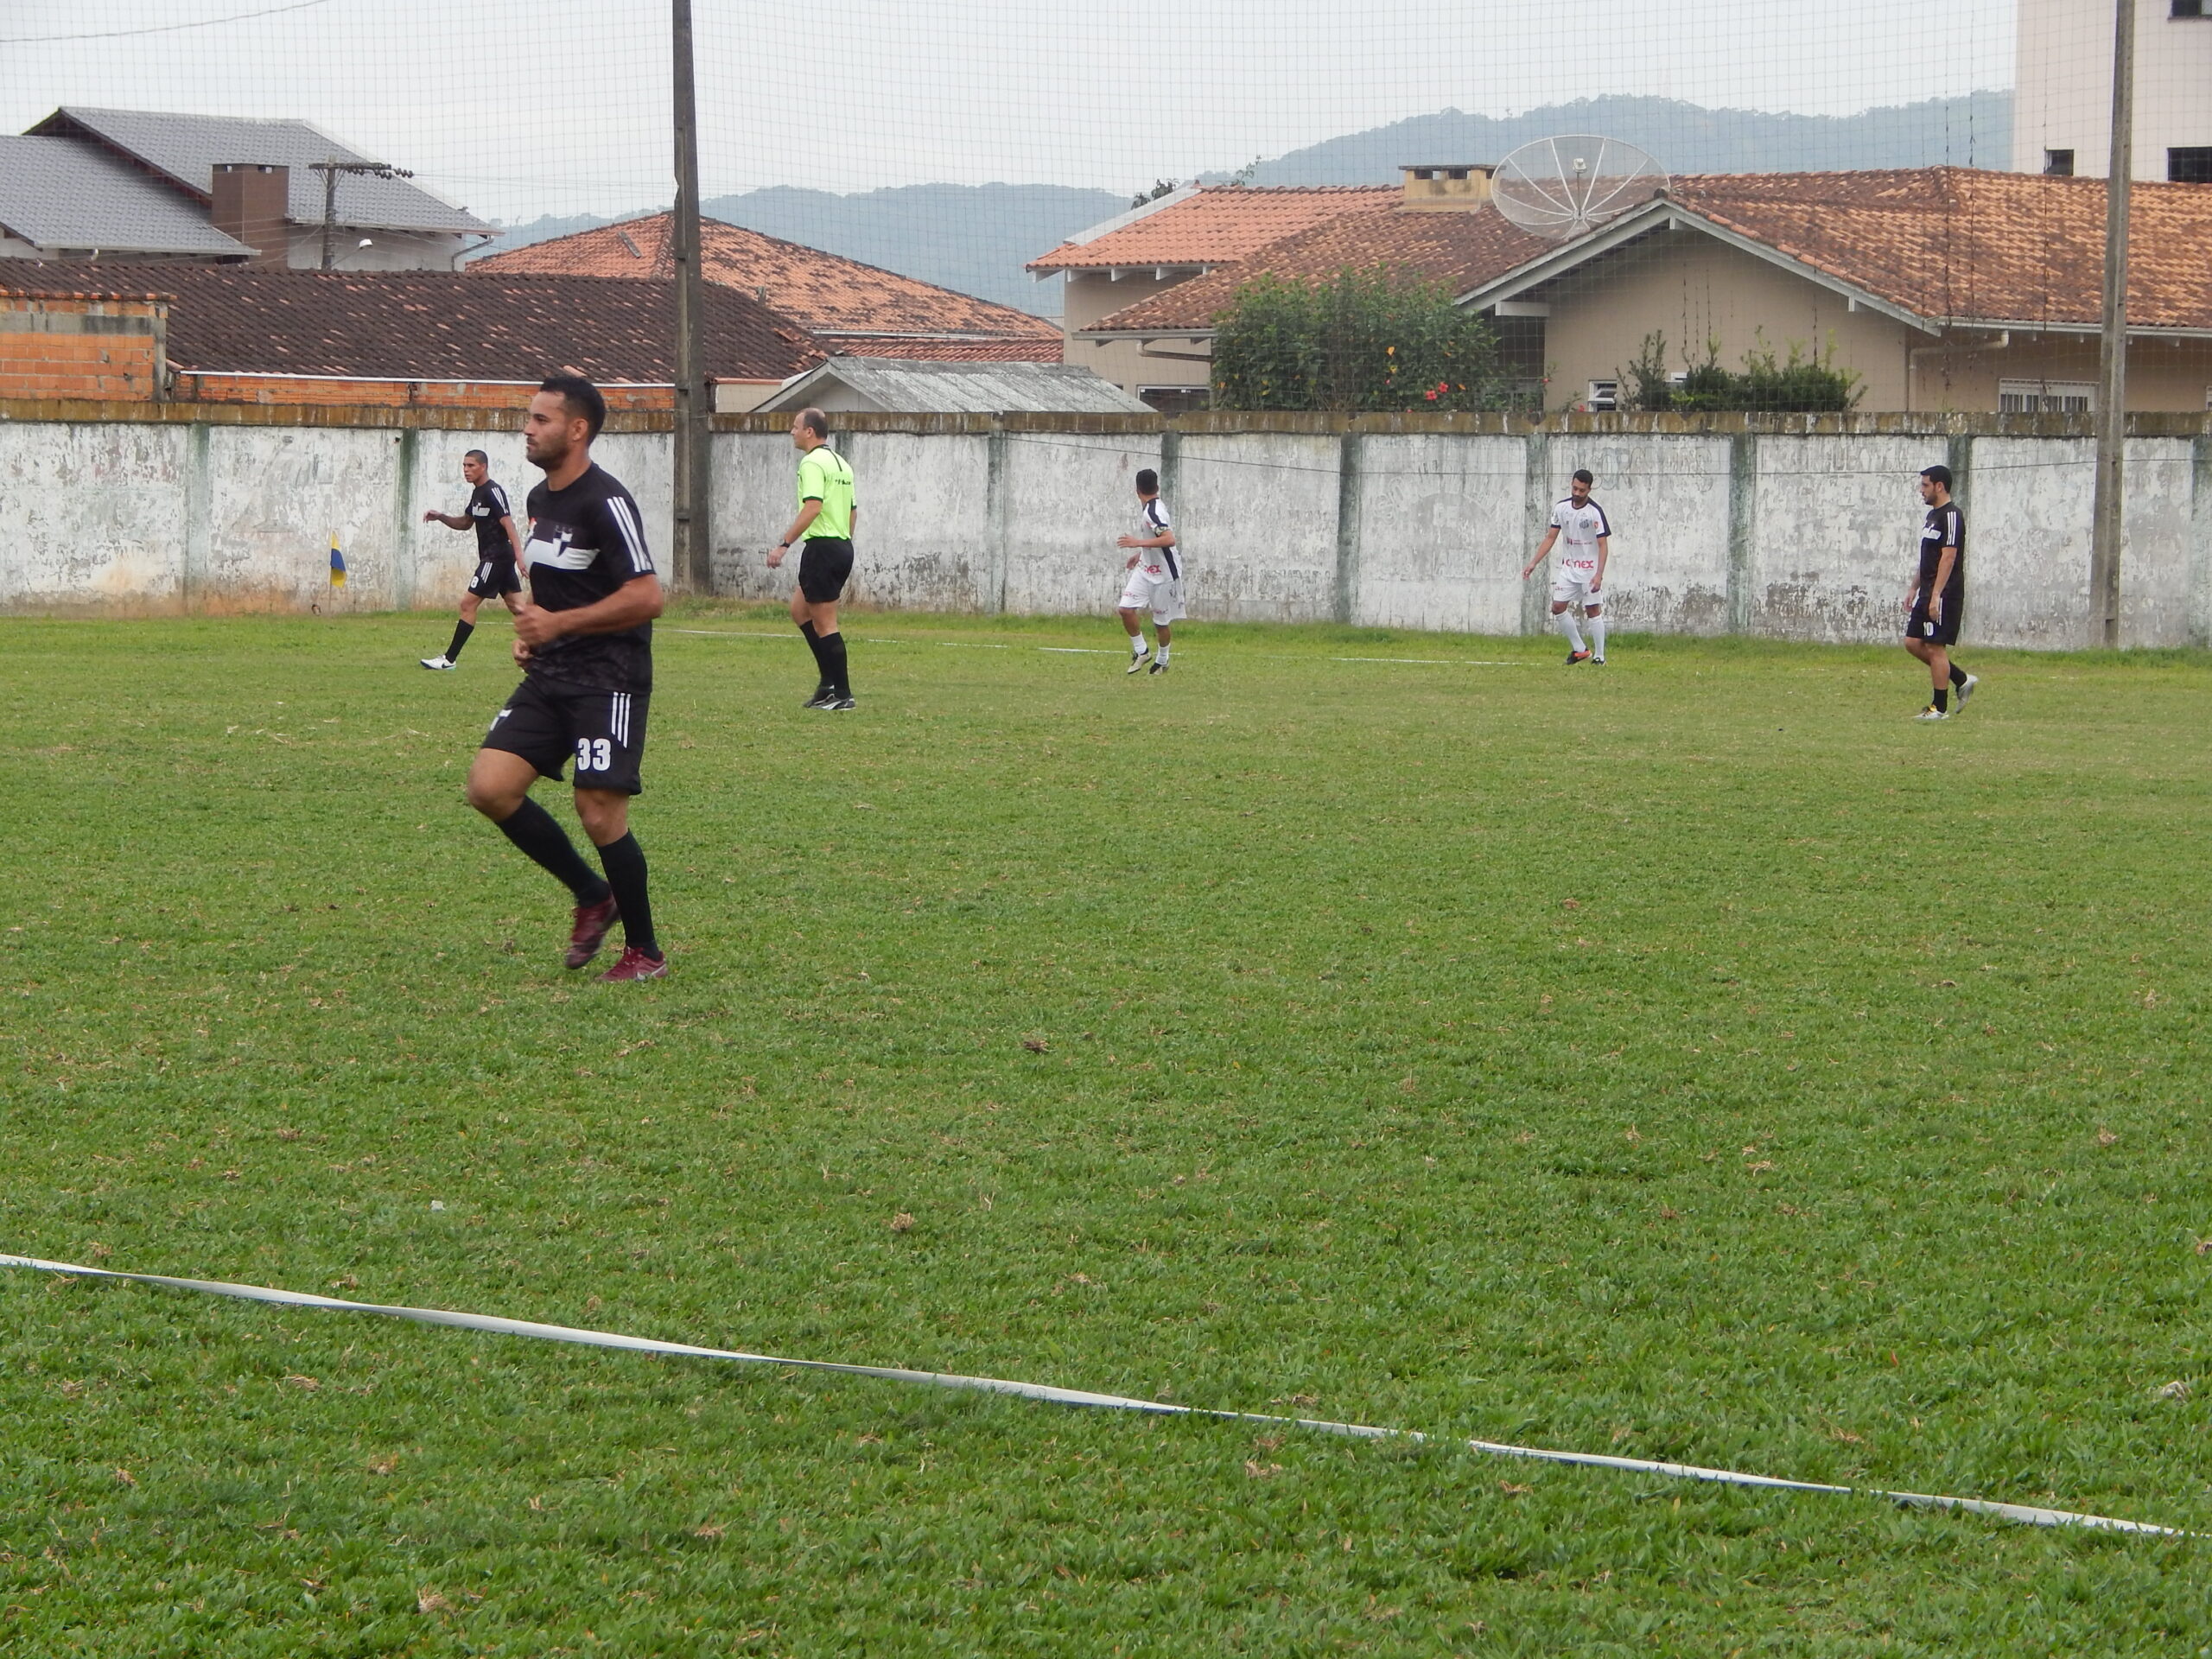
x=2062 y=100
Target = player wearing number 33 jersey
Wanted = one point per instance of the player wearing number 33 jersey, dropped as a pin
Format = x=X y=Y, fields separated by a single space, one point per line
x=586 y=646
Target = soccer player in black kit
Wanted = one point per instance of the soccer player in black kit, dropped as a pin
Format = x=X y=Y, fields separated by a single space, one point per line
x=498 y=547
x=585 y=645
x=1937 y=602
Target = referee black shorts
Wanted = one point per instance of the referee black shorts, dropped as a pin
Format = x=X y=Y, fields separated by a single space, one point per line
x=550 y=724
x=825 y=565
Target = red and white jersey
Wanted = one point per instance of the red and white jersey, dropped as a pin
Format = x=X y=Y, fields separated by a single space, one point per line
x=1578 y=529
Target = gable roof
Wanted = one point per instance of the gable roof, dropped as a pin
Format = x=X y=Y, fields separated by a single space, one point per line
x=58 y=193
x=852 y=308
x=1459 y=249
x=183 y=150
x=899 y=386
x=436 y=325
x=1211 y=225
x=1939 y=246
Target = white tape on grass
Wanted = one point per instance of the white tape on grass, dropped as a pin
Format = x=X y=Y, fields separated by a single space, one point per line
x=2027 y=1514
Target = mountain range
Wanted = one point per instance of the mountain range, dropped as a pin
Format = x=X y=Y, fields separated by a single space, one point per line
x=976 y=237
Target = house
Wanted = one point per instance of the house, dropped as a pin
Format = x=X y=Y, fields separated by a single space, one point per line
x=127 y=185
x=2061 y=97
x=1171 y=240
x=228 y=334
x=904 y=386
x=852 y=309
x=1941 y=288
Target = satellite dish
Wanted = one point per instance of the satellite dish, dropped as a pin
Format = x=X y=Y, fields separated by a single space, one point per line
x=1562 y=187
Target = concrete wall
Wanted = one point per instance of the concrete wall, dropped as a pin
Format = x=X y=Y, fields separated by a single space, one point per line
x=1796 y=527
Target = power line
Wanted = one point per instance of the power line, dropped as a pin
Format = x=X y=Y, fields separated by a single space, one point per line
x=161 y=29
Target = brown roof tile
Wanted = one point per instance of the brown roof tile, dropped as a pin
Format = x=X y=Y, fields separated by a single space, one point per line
x=824 y=293
x=1459 y=249
x=441 y=326
x=1219 y=223
x=1967 y=245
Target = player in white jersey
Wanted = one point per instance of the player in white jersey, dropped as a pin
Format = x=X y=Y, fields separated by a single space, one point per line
x=1155 y=579
x=1585 y=535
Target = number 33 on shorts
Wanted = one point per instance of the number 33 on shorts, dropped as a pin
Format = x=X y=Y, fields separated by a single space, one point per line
x=593 y=754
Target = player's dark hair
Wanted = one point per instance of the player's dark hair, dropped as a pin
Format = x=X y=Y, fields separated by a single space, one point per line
x=478 y=455
x=582 y=398
x=1147 y=482
x=1938 y=474
x=1582 y=476
x=815 y=422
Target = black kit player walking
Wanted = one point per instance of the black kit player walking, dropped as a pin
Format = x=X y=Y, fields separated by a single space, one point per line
x=1937 y=602
x=585 y=645
x=498 y=548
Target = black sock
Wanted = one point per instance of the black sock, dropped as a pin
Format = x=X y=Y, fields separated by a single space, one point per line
x=1958 y=675
x=1942 y=699
x=625 y=863
x=832 y=648
x=461 y=632
x=532 y=828
x=814 y=645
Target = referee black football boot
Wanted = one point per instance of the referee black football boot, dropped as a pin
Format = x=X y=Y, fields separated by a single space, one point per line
x=837 y=702
x=822 y=693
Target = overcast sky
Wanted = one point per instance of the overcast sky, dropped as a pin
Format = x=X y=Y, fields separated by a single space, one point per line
x=518 y=107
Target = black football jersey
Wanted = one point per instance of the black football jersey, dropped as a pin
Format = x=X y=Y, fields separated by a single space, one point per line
x=487 y=506
x=585 y=543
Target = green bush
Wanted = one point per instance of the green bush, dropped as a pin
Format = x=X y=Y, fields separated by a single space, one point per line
x=1797 y=383
x=1374 y=341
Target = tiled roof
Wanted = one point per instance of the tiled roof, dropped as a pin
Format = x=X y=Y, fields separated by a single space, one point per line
x=898 y=386
x=61 y=193
x=186 y=148
x=439 y=325
x=854 y=308
x=1460 y=249
x=1964 y=244
x=1213 y=225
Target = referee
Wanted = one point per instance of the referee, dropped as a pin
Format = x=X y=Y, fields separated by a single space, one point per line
x=823 y=534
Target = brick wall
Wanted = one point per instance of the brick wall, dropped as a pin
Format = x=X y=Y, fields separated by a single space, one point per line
x=81 y=345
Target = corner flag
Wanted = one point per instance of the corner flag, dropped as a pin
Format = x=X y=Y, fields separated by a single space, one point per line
x=337 y=564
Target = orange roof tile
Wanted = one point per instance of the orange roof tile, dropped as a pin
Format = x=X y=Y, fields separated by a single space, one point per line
x=1459 y=249
x=1219 y=223
x=852 y=307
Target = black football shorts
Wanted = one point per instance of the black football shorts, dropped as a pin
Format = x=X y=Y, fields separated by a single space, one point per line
x=1945 y=632
x=495 y=578
x=553 y=725
x=825 y=565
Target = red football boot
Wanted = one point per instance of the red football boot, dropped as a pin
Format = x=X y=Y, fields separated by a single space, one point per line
x=590 y=930
x=635 y=964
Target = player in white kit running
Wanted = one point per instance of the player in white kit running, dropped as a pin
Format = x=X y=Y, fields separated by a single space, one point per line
x=1585 y=534
x=1155 y=579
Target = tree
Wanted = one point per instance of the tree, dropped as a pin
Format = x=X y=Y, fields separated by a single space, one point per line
x=1372 y=340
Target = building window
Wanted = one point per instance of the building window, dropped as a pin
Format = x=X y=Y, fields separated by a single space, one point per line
x=2058 y=164
x=2189 y=9
x=2046 y=397
x=1175 y=400
x=2190 y=166
x=1604 y=395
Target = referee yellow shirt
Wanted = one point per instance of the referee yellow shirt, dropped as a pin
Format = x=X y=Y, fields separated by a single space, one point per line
x=824 y=477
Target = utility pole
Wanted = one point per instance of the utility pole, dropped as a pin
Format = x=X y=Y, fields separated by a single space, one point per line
x=330 y=170
x=2106 y=512
x=694 y=527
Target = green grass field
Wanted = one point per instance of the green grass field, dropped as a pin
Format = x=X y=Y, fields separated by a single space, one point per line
x=1693 y=1059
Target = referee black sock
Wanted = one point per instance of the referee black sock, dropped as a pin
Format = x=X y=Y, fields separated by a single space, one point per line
x=531 y=827
x=831 y=649
x=625 y=863
x=814 y=645
x=461 y=632
x=1958 y=675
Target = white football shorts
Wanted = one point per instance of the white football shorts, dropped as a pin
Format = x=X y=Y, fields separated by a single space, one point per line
x=1163 y=598
x=1573 y=588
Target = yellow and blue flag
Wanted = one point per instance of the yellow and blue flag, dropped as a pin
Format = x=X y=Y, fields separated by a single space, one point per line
x=337 y=564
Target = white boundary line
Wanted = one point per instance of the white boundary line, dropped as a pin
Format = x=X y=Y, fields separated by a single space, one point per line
x=1095 y=650
x=2026 y=1514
